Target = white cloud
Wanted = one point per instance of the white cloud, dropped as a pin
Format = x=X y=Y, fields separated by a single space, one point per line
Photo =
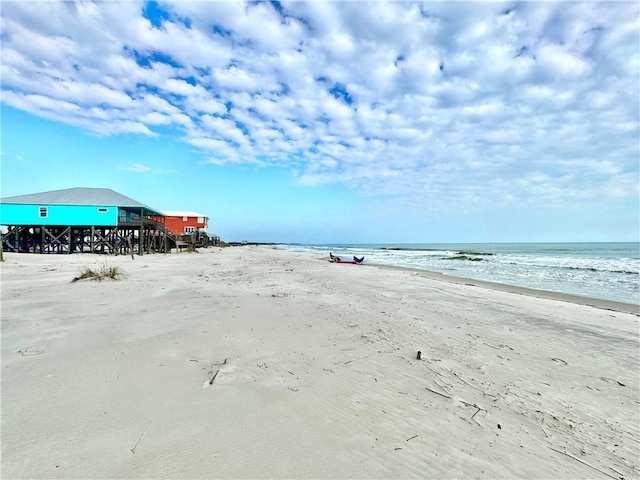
x=441 y=104
x=137 y=168
x=562 y=62
x=156 y=118
x=224 y=128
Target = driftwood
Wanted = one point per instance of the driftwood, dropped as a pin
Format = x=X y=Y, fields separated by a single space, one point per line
x=584 y=463
x=478 y=408
x=463 y=380
x=542 y=427
x=217 y=372
x=438 y=393
x=474 y=406
x=214 y=377
x=432 y=370
x=133 y=450
x=441 y=386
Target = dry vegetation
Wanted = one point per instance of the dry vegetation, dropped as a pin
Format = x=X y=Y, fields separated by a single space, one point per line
x=102 y=272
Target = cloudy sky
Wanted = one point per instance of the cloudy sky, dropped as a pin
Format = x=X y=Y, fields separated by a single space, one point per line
x=327 y=122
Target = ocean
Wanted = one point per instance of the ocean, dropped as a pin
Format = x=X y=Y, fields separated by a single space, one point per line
x=609 y=271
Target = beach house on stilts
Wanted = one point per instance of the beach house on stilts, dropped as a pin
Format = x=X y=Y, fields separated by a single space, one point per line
x=77 y=220
x=189 y=227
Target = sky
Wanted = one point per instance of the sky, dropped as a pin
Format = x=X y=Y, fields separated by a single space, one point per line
x=334 y=122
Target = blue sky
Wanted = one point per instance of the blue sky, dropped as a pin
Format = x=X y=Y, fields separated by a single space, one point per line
x=330 y=122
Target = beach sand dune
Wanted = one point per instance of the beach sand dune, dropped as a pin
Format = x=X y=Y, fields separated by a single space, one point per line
x=252 y=362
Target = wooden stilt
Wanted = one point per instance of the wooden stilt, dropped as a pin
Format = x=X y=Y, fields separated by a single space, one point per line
x=141 y=232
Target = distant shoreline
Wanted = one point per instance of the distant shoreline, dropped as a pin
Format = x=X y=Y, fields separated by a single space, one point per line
x=600 y=271
x=604 y=304
x=531 y=292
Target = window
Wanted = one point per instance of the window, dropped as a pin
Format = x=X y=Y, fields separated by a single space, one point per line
x=184 y=219
x=44 y=212
x=103 y=210
x=189 y=229
x=200 y=219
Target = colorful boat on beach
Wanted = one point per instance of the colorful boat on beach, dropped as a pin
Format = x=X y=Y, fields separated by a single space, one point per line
x=335 y=259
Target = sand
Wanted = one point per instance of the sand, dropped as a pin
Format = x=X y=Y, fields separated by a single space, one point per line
x=251 y=362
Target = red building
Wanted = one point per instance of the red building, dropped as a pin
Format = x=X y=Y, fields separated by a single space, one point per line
x=185 y=222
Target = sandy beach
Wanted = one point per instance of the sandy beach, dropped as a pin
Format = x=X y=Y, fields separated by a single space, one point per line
x=250 y=362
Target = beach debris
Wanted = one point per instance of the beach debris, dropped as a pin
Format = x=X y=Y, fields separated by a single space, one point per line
x=499 y=427
x=468 y=404
x=30 y=353
x=419 y=356
x=217 y=371
x=133 y=450
x=412 y=438
x=473 y=416
x=463 y=380
x=561 y=361
x=214 y=377
x=612 y=380
x=431 y=369
x=621 y=475
x=477 y=407
x=585 y=463
x=438 y=393
x=442 y=387
x=542 y=425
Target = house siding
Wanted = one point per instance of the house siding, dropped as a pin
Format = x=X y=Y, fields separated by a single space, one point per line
x=178 y=224
x=73 y=215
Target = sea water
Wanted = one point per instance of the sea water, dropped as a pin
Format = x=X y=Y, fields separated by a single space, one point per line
x=609 y=271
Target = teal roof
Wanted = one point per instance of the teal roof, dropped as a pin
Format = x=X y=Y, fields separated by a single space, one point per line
x=79 y=196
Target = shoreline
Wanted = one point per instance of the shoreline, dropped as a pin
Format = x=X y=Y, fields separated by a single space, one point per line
x=532 y=292
x=599 y=285
x=260 y=363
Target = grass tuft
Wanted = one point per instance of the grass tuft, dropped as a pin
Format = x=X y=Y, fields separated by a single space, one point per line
x=102 y=272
